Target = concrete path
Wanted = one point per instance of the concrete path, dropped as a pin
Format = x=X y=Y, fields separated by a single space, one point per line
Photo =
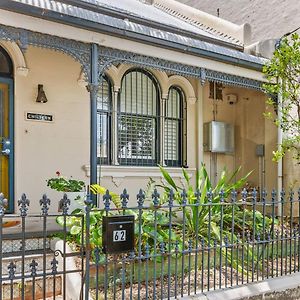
x=286 y=287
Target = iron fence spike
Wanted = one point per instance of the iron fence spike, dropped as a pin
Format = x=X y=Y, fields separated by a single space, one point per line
x=264 y=196
x=33 y=268
x=291 y=195
x=11 y=270
x=45 y=203
x=107 y=199
x=3 y=204
x=23 y=203
x=124 y=198
x=233 y=195
x=244 y=195
x=198 y=196
x=54 y=265
x=184 y=197
x=64 y=204
x=222 y=196
x=155 y=198
x=140 y=198
x=209 y=195
x=171 y=198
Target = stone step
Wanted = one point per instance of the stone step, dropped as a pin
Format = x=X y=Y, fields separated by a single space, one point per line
x=29 y=284
x=17 y=260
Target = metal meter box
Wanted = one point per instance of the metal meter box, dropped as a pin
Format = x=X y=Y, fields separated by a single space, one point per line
x=260 y=150
x=218 y=137
x=118 y=234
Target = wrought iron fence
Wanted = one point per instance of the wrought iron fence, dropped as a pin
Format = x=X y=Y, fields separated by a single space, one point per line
x=185 y=243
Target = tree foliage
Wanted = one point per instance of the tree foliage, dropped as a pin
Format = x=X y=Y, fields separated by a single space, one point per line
x=283 y=75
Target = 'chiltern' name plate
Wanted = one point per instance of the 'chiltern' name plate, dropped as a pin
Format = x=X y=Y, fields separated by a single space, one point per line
x=30 y=116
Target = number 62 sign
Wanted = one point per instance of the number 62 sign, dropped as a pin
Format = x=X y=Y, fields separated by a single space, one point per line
x=118 y=234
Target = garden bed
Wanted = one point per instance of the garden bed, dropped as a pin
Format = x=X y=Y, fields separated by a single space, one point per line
x=136 y=279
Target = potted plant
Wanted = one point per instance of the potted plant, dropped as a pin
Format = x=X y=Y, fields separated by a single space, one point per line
x=75 y=189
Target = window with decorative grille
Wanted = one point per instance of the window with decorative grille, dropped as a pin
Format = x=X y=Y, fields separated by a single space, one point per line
x=104 y=121
x=140 y=123
x=174 y=131
x=138 y=120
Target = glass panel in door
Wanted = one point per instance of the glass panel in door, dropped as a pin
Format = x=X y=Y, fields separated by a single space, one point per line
x=4 y=140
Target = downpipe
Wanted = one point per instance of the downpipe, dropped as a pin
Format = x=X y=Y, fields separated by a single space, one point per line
x=280 y=162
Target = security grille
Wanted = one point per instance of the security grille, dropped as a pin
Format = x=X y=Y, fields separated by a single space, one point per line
x=104 y=121
x=138 y=120
x=174 y=139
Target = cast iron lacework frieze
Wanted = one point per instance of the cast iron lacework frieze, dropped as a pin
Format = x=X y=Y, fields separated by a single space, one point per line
x=78 y=50
x=107 y=57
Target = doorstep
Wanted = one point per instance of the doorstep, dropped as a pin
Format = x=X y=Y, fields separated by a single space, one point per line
x=33 y=227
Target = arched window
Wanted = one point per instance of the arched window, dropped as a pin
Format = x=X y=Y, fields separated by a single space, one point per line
x=6 y=66
x=104 y=121
x=175 y=131
x=138 y=112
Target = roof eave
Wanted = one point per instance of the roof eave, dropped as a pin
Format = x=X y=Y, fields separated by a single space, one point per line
x=102 y=28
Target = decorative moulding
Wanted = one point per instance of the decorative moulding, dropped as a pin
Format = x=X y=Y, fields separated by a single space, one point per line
x=82 y=80
x=17 y=57
x=119 y=173
x=22 y=71
x=185 y=85
x=192 y=100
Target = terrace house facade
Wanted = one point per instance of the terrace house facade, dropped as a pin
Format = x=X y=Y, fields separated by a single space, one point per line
x=104 y=91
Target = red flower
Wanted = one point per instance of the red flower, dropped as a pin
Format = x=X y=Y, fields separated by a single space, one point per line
x=57 y=173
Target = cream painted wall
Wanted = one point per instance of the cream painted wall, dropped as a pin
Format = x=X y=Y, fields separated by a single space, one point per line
x=251 y=129
x=43 y=148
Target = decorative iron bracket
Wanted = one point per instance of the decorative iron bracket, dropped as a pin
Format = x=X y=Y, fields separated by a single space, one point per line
x=78 y=50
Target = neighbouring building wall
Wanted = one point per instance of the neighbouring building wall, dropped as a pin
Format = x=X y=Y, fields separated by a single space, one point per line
x=291 y=176
x=291 y=172
x=251 y=129
x=264 y=16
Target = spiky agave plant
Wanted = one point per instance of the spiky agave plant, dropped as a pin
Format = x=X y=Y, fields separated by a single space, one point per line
x=214 y=213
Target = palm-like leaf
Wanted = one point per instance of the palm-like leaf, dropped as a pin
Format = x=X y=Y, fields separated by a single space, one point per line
x=100 y=190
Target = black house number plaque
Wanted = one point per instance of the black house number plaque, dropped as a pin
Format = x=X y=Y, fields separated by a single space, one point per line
x=118 y=234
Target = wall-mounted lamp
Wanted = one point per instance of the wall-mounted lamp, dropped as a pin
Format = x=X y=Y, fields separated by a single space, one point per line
x=41 y=97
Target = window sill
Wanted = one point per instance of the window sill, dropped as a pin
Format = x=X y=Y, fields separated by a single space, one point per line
x=119 y=173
